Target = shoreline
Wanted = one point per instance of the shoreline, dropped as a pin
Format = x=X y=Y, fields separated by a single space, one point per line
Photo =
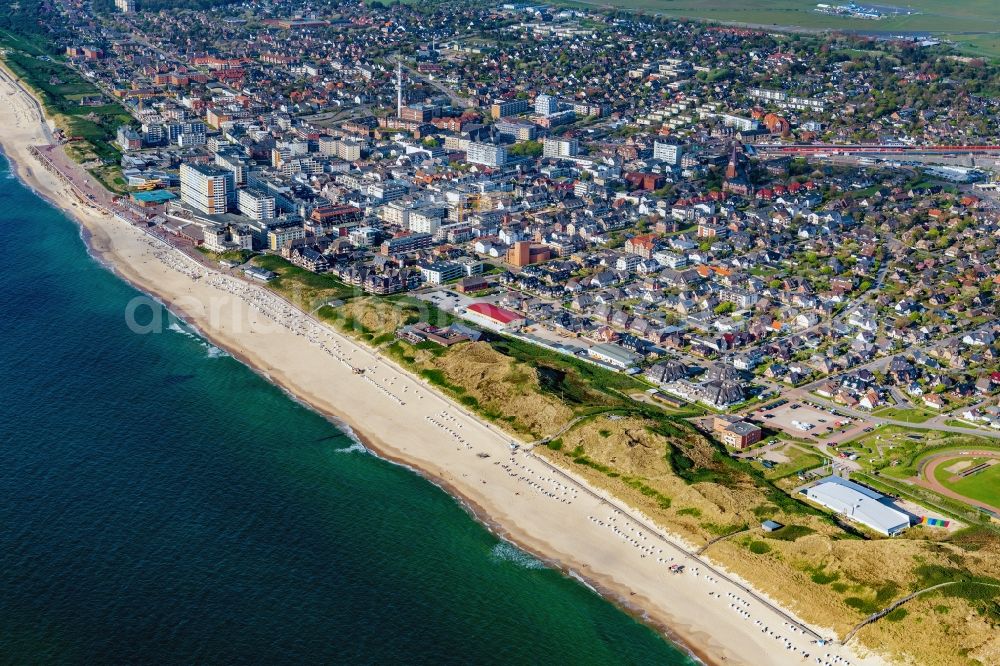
x=371 y=445
x=714 y=636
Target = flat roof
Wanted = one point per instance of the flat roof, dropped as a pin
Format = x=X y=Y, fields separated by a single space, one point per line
x=614 y=351
x=742 y=428
x=859 y=504
x=153 y=196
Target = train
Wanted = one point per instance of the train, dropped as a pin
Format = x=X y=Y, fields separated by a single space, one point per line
x=873 y=148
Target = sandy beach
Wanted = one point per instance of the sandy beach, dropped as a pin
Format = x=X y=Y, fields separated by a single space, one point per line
x=549 y=512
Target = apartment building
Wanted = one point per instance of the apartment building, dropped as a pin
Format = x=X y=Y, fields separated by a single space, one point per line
x=560 y=147
x=207 y=188
x=487 y=154
x=255 y=204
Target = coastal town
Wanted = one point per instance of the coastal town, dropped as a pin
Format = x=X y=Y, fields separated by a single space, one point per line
x=663 y=223
x=769 y=258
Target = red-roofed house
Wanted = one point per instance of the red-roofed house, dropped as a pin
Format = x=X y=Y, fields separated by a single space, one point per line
x=642 y=246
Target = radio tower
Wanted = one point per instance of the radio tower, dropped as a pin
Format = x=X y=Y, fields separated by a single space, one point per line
x=399 y=89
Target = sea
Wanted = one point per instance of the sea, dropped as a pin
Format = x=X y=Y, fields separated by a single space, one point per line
x=160 y=502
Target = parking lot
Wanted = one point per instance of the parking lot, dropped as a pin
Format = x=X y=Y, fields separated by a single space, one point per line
x=798 y=419
x=449 y=301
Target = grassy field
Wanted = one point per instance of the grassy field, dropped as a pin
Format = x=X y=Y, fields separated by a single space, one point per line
x=983 y=486
x=33 y=44
x=111 y=177
x=985 y=45
x=974 y=25
x=910 y=415
x=896 y=451
x=306 y=289
x=240 y=256
x=798 y=460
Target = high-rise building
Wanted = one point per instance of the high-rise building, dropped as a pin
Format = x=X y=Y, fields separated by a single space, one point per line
x=190 y=140
x=255 y=204
x=125 y=6
x=346 y=149
x=560 y=147
x=668 y=152
x=546 y=105
x=188 y=133
x=488 y=154
x=349 y=150
x=207 y=188
x=235 y=161
x=280 y=236
x=327 y=145
x=154 y=134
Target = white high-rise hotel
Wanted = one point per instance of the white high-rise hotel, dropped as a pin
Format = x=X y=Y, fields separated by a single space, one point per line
x=255 y=204
x=209 y=189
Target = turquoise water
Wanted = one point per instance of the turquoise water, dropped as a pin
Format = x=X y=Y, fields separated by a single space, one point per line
x=163 y=503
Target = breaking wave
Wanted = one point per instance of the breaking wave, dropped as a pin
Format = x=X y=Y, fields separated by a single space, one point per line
x=176 y=327
x=508 y=552
x=211 y=350
x=356 y=445
x=214 y=352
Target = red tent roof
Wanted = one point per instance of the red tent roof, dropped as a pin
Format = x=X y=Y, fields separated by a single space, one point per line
x=494 y=312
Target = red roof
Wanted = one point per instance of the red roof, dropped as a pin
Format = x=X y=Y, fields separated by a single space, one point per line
x=494 y=312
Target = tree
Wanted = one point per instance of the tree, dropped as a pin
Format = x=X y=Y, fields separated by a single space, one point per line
x=526 y=149
x=724 y=308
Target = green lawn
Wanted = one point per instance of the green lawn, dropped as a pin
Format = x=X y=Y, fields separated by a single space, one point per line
x=902 y=449
x=799 y=461
x=911 y=415
x=241 y=256
x=33 y=44
x=300 y=286
x=983 y=486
